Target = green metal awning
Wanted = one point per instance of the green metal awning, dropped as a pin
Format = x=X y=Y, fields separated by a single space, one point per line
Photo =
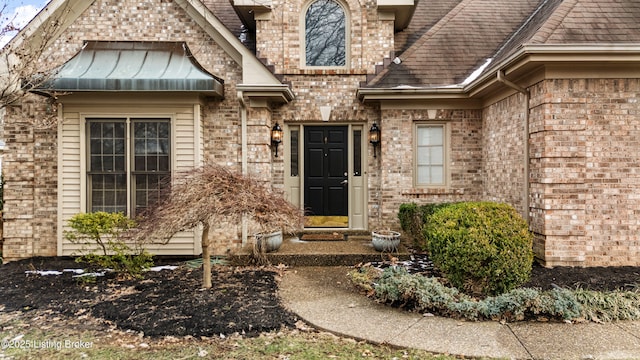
x=134 y=66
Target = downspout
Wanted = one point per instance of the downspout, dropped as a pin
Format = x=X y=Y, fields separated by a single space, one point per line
x=527 y=97
x=243 y=156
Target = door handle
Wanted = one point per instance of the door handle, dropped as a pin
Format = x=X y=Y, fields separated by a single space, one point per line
x=344 y=182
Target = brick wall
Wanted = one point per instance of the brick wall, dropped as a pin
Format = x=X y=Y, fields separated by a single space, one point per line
x=278 y=37
x=584 y=177
x=30 y=182
x=503 y=152
x=393 y=184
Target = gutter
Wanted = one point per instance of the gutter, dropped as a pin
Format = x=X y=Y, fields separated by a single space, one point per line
x=525 y=191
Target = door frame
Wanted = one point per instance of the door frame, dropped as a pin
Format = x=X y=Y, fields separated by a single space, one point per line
x=358 y=194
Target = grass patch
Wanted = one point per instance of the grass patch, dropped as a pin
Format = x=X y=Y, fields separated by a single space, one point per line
x=287 y=344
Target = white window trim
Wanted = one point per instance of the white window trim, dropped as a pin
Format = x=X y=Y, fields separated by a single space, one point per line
x=347 y=40
x=446 y=156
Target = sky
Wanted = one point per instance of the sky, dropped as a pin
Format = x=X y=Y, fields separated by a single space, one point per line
x=20 y=12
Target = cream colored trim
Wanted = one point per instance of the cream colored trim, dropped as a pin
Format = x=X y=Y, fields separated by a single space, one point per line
x=197 y=129
x=610 y=57
x=400 y=104
x=60 y=207
x=402 y=11
x=292 y=184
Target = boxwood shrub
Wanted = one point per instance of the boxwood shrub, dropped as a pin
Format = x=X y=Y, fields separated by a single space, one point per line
x=482 y=248
x=413 y=217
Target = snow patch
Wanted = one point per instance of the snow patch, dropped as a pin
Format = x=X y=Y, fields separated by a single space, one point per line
x=474 y=75
x=165 y=267
x=43 y=272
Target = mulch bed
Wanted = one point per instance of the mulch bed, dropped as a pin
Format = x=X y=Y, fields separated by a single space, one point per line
x=242 y=300
x=168 y=302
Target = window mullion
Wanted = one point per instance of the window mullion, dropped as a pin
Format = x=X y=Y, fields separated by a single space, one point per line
x=128 y=162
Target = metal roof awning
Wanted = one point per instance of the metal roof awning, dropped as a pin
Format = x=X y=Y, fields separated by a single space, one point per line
x=134 y=66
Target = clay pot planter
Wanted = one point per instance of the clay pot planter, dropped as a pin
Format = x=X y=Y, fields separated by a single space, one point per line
x=269 y=241
x=385 y=240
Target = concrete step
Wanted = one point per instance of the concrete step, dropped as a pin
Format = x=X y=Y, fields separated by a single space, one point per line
x=353 y=250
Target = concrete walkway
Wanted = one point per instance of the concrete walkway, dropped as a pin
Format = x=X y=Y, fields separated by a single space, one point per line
x=323 y=298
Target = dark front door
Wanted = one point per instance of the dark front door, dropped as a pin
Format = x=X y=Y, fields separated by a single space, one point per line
x=326 y=171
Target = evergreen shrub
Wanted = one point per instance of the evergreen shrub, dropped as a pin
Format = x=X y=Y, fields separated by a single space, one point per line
x=482 y=248
x=413 y=217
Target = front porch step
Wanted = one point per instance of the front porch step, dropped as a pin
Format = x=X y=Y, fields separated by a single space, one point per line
x=354 y=250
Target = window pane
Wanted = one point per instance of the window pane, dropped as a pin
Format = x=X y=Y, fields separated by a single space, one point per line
x=108 y=193
x=436 y=155
x=106 y=146
x=151 y=162
x=430 y=166
x=357 y=153
x=430 y=135
x=295 y=138
x=149 y=190
x=151 y=138
x=437 y=174
x=325 y=40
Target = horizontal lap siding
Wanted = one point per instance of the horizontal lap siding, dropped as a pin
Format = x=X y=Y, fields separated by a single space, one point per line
x=72 y=194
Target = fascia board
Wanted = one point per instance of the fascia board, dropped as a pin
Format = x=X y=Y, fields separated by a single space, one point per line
x=528 y=56
x=252 y=68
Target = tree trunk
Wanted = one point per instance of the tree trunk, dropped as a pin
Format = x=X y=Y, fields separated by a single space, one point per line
x=206 y=258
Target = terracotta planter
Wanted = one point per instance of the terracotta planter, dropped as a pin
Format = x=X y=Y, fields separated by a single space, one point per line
x=385 y=240
x=270 y=241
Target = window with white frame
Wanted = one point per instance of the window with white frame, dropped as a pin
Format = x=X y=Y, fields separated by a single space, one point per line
x=325 y=38
x=129 y=163
x=431 y=154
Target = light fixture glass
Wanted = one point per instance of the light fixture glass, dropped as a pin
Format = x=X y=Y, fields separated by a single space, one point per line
x=276 y=136
x=374 y=137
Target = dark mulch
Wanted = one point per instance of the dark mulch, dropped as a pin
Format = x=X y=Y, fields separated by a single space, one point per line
x=169 y=302
x=242 y=300
x=593 y=278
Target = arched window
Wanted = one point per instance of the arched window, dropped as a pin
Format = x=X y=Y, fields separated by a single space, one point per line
x=325 y=34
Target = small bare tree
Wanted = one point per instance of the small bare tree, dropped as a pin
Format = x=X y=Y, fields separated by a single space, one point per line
x=20 y=67
x=211 y=195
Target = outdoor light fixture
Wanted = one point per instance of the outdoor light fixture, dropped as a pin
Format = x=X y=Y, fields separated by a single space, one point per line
x=276 y=136
x=374 y=137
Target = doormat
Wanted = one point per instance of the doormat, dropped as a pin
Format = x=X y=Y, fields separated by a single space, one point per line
x=323 y=237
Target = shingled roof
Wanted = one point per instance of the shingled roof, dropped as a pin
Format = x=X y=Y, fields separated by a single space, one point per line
x=426 y=14
x=459 y=43
x=477 y=33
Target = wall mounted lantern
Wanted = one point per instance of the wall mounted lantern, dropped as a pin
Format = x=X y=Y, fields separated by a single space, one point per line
x=276 y=136
x=374 y=137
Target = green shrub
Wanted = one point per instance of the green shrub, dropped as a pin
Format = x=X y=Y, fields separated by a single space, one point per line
x=101 y=230
x=423 y=294
x=481 y=247
x=609 y=306
x=413 y=217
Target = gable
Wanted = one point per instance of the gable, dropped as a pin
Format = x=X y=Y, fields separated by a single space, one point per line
x=217 y=49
